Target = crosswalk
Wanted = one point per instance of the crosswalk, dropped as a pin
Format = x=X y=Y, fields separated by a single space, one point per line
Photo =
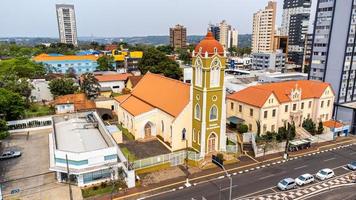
x=300 y=192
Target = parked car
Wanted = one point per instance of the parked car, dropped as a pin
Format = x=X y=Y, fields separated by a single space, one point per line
x=352 y=165
x=10 y=154
x=304 y=179
x=325 y=174
x=287 y=184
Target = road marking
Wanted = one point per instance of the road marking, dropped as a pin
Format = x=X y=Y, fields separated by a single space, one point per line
x=271 y=175
x=353 y=153
x=333 y=158
x=274 y=190
x=304 y=166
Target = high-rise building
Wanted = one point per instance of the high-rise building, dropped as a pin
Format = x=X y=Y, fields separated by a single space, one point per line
x=178 y=37
x=332 y=57
x=66 y=24
x=225 y=34
x=295 y=21
x=263 y=29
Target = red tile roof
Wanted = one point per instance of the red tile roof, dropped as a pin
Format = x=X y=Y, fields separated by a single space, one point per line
x=208 y=44
x=112 y=77
x=257 y=95
x=157 y=91
x=332 y=124
x=80 y=101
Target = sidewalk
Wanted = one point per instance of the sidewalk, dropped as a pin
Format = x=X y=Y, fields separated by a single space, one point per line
x=206 y=175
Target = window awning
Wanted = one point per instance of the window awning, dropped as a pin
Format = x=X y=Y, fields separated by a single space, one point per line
x=235 y=120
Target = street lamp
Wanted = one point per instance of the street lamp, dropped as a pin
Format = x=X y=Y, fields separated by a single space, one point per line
x=229 y=176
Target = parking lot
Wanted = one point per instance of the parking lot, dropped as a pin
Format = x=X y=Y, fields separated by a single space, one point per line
x=28 y=176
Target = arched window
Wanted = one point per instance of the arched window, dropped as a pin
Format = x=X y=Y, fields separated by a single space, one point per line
x=183 y=133
x=198 y=72
x=213 y=113
x=197 y=111
x=198 y=137
x=162 y=126
x=215 y=73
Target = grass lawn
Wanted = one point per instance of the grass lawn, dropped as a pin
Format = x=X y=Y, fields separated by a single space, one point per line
x=102 y=189
x=37 y=110
x=129 y=155
x=126 y=132
x=229 y=142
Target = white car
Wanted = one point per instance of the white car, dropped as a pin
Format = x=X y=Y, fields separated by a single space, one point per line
x=324 y=174
x=286 y=184
x=304 y=179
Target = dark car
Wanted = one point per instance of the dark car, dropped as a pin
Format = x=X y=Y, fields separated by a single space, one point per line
x=10 y=154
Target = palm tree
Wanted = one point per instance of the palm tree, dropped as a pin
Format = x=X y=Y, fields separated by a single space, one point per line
x=90 y=86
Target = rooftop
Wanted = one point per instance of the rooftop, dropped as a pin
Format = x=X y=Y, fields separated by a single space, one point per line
x=112 y=77
x=257 y=95
x=46 y=57
x=79 y=132
x=80 y=101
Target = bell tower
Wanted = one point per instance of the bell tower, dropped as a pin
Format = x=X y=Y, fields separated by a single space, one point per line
x=209 y=110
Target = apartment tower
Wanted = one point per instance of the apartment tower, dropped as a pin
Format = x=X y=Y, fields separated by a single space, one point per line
x=333 y=50
x=263 y=28
x=178 y=37
x=295 y=21
x=66 y=24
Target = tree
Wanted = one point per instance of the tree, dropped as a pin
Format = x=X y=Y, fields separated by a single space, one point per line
x=167 y=49
x=309 y=125
x=258 y=123
x=4 y=133
x=22 y=67
x=105 y=63
x=90 y=86
x=320 y=129
x=242 y=128
x=12 y=105
x=18 y=85
x=233 y=50
x=184 y=56
x=62 y=86
x=157 y=62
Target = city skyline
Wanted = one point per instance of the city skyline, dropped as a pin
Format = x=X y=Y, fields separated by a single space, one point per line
x=90 y=15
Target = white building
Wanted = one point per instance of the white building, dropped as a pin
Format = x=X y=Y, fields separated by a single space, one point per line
x=40 y=91
x=81 y=142
x=115 y=81
x=67 y=27
x=233 y=38
x=275 y=61
x=263 y=28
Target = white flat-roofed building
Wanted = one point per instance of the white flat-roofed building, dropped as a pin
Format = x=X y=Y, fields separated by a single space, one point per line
x=81 y=141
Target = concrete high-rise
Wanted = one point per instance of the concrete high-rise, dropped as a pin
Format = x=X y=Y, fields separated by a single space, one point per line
x=295 y=21
x=263 y=29
x=66 y=24
x=333 y=50
x=178 y=37
x=225 y=34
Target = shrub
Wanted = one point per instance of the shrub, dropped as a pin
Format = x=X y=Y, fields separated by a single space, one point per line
x=220 y=156
x=95 y=187
x=309 y=126
x=320 y=128
x=242 y=128
x=103 y=185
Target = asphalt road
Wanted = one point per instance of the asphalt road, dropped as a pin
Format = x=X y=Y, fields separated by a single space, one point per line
x=345 y=193
x=264 y=180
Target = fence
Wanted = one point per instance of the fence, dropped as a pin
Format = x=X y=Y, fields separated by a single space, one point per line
x=175 y=158
x=28 y=124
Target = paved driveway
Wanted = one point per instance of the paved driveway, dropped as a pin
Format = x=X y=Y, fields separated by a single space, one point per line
x=28 y=177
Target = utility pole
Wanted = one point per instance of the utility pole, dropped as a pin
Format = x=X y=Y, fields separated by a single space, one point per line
x=187 y=184
x=68 y=181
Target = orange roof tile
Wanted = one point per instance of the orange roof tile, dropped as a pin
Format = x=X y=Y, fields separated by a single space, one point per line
x=157 y=91
x=122 y=98
x=46 y=57
x=134 y=80
x=257 y=95
x=80 y=101
x=112 y=77
x=208 y=44
x=135 y=106
x=332 y=124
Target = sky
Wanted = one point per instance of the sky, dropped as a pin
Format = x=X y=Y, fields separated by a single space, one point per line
x=122 y=18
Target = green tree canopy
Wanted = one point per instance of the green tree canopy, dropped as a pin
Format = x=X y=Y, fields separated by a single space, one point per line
x=62 y=86
x=12 y=105
x=309 y=125
x=3 y=129
x=242 y=128
x=320 y=129
x=105 y=63
x=157 y=62
x=167 y=49
x=90 y=85
x=23 y=67
x=16 y=84
x=184 y=56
